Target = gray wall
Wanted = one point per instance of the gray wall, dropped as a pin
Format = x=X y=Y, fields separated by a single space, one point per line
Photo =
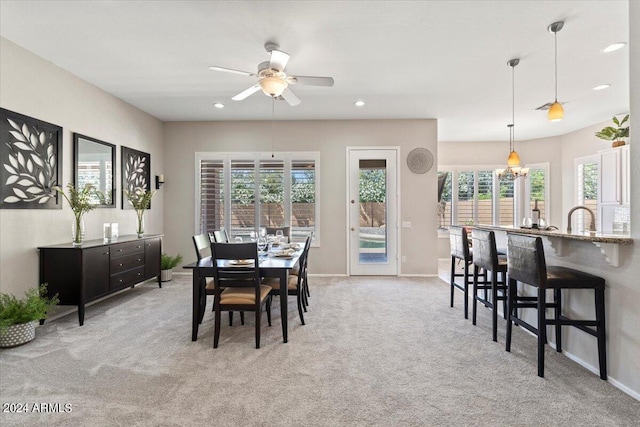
x=330 y=138
x=39 y=89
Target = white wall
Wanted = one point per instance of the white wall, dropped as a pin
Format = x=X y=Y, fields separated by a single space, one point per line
x=330 y=138
x=34 y=87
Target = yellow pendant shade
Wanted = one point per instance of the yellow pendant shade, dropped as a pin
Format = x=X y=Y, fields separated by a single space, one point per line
x=556 y=112
x=514 y=159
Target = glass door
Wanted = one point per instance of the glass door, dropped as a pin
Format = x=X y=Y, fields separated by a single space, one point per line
x=372 y=212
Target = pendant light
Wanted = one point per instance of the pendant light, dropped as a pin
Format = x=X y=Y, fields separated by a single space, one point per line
x=513 y=170
x=556 y=112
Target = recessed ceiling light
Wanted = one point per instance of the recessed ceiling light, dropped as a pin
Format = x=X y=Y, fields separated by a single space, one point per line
x=218 y=105
x=600 y=87
x=358 y=103
x=613 y=47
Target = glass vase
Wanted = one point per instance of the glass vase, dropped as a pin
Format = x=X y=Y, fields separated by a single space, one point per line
x=77 y=230
x=140 y=223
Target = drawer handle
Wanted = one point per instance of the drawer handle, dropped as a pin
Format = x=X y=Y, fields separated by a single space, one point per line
x=138 y=247
x=120 y=265
x=119 y=250
x=138 y=259
x=106 y=253
x=139 y=274
x=120 y=281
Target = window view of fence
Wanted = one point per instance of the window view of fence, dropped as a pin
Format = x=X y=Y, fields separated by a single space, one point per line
x=282 y=202
x=472 y=200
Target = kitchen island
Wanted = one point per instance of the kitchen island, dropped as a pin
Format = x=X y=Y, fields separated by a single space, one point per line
x=609 y=244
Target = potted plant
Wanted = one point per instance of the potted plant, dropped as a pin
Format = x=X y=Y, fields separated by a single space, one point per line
x=18 y=317
x=167 y=264
x=140 y=200
x=615 y=134
x=80 y=202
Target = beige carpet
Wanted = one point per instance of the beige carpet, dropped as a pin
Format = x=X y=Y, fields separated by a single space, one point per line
x=374 y=352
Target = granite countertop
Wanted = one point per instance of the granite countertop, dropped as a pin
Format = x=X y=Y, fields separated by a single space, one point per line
x=622 y=239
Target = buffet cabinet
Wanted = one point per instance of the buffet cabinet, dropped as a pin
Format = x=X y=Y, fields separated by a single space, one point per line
x=81 y=274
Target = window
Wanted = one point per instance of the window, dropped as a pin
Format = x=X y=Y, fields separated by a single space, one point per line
x=473 y=195
x=537 y=188
x=587 y=191
x=242 y=192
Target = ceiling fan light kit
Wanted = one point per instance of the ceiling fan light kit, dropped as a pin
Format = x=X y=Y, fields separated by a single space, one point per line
x=272 y=78
x=556 y=111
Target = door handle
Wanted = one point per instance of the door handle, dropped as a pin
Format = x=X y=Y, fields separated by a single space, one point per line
x=353 y=201
x=353 y=229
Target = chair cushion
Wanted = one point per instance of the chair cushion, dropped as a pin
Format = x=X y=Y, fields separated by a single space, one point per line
x=563 y=277
x=274 y=282
x=243 y=296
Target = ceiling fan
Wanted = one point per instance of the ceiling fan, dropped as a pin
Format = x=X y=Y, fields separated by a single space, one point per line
x=272 y=78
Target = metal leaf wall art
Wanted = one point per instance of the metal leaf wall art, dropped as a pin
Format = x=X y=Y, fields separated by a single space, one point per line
x=29 y=155
x=136 y=166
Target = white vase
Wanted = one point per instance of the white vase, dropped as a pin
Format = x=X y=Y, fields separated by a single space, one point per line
x=19 y=334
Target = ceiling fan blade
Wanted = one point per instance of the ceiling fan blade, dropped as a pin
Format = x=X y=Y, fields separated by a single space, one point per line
x=231 y=70
x=290 y=97
x=245 y=93
x=311 y=80
x=279 y=60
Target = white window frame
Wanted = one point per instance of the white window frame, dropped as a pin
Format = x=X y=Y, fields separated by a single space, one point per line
x=521 y=192
x=547 y=193
x=287 y=157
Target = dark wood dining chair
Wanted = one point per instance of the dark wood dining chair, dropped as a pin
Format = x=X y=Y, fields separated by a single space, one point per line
x=221 y=236
x=237 y=284
x=202 y=244
x=527 y=265
x=296 y=283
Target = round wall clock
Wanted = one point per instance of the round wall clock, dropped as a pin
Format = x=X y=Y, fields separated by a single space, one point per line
x=420 y=160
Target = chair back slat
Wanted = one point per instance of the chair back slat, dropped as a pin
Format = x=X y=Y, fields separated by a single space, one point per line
x=526 y=262
x=221 y=236
x=485 y=252
x=459 y=242
x=202 y=245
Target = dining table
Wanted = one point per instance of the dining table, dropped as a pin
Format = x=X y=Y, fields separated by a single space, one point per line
x=270 y=265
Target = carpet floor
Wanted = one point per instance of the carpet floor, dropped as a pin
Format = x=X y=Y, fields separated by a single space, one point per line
x=374 y=352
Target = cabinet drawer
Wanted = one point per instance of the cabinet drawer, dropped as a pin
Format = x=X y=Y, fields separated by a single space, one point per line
x=128 y=278
x=126 y=262
x=126 y=249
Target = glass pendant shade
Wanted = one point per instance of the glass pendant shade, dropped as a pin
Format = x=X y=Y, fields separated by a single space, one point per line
x=273 y=86
x=556 y=112
x=513 y=160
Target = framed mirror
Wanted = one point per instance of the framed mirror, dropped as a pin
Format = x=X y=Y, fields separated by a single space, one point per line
x=94 y=163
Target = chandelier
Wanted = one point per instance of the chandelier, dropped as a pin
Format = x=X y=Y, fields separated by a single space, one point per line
x=513 y=170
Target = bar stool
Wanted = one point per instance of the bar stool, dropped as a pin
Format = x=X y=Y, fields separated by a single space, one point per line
x=526 y=263
x=460 y=250
x=485 y=256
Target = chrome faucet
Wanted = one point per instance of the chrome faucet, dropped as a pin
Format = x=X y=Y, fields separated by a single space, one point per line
x=592 y=224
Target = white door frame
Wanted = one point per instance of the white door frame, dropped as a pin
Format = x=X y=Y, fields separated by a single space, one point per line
x=396 y=149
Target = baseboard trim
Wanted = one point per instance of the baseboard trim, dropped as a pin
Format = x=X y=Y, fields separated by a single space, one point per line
x=326 y=275
x=418 y=275
x=617 y=384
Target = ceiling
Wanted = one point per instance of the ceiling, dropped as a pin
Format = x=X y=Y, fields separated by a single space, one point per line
x=445 y=60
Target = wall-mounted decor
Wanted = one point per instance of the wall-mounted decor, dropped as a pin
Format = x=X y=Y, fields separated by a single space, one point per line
x=94 y=163
x=30 y=162
x=420 y=160
x=136 y=172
